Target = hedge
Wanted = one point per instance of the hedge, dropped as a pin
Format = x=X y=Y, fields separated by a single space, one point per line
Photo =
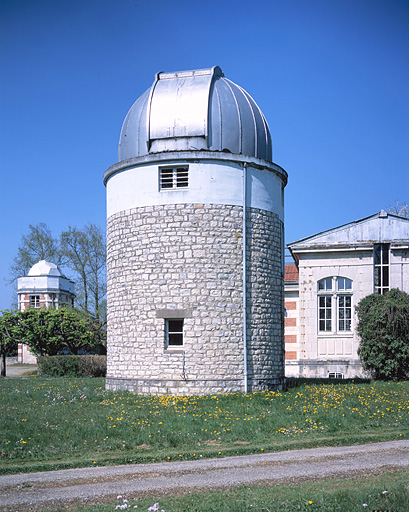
x=72 y=366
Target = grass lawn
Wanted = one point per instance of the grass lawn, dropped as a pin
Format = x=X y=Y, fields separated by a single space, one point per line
x=54 y=423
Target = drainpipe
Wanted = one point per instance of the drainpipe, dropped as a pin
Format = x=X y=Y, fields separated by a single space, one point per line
x=245 y=278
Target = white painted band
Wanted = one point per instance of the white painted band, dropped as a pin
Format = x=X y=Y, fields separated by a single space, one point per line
x=209 y=183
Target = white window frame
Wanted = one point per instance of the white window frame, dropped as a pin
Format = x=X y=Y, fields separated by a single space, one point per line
x=335 y=375
x=174 y=178
x=171 y=333
x=346 y=310
x=382 y=268
x=325 y=307
x=334 y=298
x=35 y=301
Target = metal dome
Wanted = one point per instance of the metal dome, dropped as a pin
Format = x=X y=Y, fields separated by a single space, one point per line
x=195 y=110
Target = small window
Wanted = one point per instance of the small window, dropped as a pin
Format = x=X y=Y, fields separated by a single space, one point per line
x=171 y=178
x=325 y=284
x=34 y=301
x=335 y=375
x=174 y=333
x=344 y=283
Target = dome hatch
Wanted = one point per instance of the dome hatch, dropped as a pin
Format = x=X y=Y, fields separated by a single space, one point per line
x=195 y=110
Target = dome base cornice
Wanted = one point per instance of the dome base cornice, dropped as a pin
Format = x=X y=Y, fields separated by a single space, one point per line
x=192 y=156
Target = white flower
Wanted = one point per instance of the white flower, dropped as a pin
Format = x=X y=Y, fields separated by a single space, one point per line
x=365 y=505
x=384 y=492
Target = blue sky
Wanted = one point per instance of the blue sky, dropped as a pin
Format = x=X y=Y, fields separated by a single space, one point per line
x=331 y=76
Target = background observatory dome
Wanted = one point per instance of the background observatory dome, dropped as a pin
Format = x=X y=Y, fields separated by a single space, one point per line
x=44 y=268
x=195 y=110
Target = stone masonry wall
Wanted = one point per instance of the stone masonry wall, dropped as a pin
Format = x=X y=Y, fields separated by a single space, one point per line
x=265 y=299
x=186 y=259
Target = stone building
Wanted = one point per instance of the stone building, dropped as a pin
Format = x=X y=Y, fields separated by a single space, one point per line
x=44 y=286
x=333 y=271
x=195 y=148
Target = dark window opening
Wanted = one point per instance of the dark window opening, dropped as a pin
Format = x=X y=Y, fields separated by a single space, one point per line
x=34 y=301
x=174 y=333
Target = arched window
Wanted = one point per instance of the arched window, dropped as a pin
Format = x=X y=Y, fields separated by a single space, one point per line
x=334 y=305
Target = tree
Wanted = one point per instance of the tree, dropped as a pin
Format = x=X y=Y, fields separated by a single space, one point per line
x=97 y=266
x=73 y=328
x=8 y=338
x=38 y=244
x=35 y=330
x=383 y=326
x=85 y=252
x=74 y=246
x=51 y=331
x=400 y=209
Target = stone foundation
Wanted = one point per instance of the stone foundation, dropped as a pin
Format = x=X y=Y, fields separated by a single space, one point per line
x=198 y=387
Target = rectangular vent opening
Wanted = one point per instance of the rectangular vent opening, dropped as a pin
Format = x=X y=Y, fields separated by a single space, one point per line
x=172 y=178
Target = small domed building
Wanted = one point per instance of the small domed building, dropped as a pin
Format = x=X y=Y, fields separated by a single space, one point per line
x=44 y=286
x=195 y=237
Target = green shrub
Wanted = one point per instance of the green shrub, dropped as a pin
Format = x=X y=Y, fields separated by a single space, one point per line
x=383 y=326
x=93 y=366
x=72 y=366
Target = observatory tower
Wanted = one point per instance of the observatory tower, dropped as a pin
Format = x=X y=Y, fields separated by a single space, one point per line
x=195 y=242
x=44 y=286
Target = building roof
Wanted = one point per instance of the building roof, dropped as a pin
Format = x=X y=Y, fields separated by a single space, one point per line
x=291 y=274
x=195 y=110
x=45 y=268
x=381 y=227
x=45 y=277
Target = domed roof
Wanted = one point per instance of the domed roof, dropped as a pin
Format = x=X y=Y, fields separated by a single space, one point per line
x=195 y=110
x=45 y=268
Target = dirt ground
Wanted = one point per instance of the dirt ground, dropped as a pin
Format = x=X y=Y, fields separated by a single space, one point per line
x=14 y=369
x=35 y=491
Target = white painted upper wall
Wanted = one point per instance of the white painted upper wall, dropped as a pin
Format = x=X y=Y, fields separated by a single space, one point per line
x=40 y=284
x=209 y=183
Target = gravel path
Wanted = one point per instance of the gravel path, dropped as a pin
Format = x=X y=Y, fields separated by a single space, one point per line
x=14 y=369
x=34 y=491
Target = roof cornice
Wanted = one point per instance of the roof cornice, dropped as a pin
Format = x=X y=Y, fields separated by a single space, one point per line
x=194 y=156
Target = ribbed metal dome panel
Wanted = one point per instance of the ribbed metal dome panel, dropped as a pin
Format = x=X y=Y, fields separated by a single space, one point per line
x=134 y=133
x=195 y=110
